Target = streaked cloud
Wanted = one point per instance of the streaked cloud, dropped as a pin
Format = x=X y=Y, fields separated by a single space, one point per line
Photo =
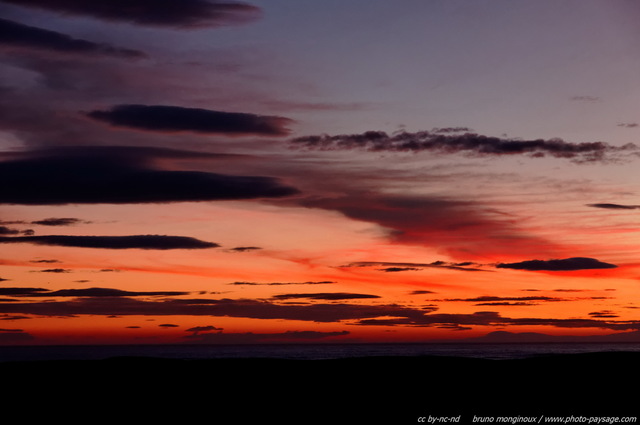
x=463 y=142
x=614 y=206
x=154 y=242
x=17 y=35
x=162 y=118
x=120 y=175
x=172 y=14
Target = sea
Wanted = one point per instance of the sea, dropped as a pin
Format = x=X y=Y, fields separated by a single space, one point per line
x=496 y=351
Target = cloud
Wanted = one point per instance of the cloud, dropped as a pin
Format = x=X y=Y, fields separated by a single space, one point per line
x=603 y=314
x=313 y=106
x=54 y=271
x=109 y=292
x=167 y=13
x=586 y=98
x=57 y=221
x=162 y=118
x=446 y=130
x=615 y=206
x=159 y=242
x=326 y=296
x=247 y=308
x=457 y=227
x=84 y=292
x=466 y=143
x=256 y=338
x=198 y=329
x=507 y=301
x=17 y=35
x=493 y=299
x=8 y=231
x=567 y=264
x=398 y=267
x=359 y=315
x=4 y=230
x=7 y=317
x=14 y=336
x=244 y=249
x=322 y=282
x=482 y=318
x=117 y=175
x=628 y=124
x=491 y=318
x=17 y=292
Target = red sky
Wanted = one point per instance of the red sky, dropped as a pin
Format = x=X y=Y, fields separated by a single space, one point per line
x=317 y=171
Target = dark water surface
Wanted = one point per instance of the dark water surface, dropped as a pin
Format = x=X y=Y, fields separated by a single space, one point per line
x=496 y=351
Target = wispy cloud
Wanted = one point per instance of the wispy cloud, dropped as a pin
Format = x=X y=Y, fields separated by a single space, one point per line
x=491 y=318
x=464 y=142
x=255 y=338
x=586 y=98
x=396 y=266
x=55 y=221
x=462 y=228
x=17 y=35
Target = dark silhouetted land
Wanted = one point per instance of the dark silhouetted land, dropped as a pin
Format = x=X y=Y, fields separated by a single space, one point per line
x=370 y=390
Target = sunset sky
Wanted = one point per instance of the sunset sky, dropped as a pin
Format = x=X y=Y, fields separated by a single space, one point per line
x=202 y=171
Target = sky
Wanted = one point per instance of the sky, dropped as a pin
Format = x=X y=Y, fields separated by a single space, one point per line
x=203 y=171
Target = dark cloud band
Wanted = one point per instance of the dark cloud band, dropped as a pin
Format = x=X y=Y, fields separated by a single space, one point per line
x=567 y=264
x=326 y=296
x=118 y=176
x=159 y=242
x=248 y=308
x=160 y=13
x=85 y=292
x=363 y=315
x=163 y=118
x=220 y=337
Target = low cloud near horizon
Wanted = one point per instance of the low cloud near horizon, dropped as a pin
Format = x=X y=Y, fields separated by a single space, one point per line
x=567 y=264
